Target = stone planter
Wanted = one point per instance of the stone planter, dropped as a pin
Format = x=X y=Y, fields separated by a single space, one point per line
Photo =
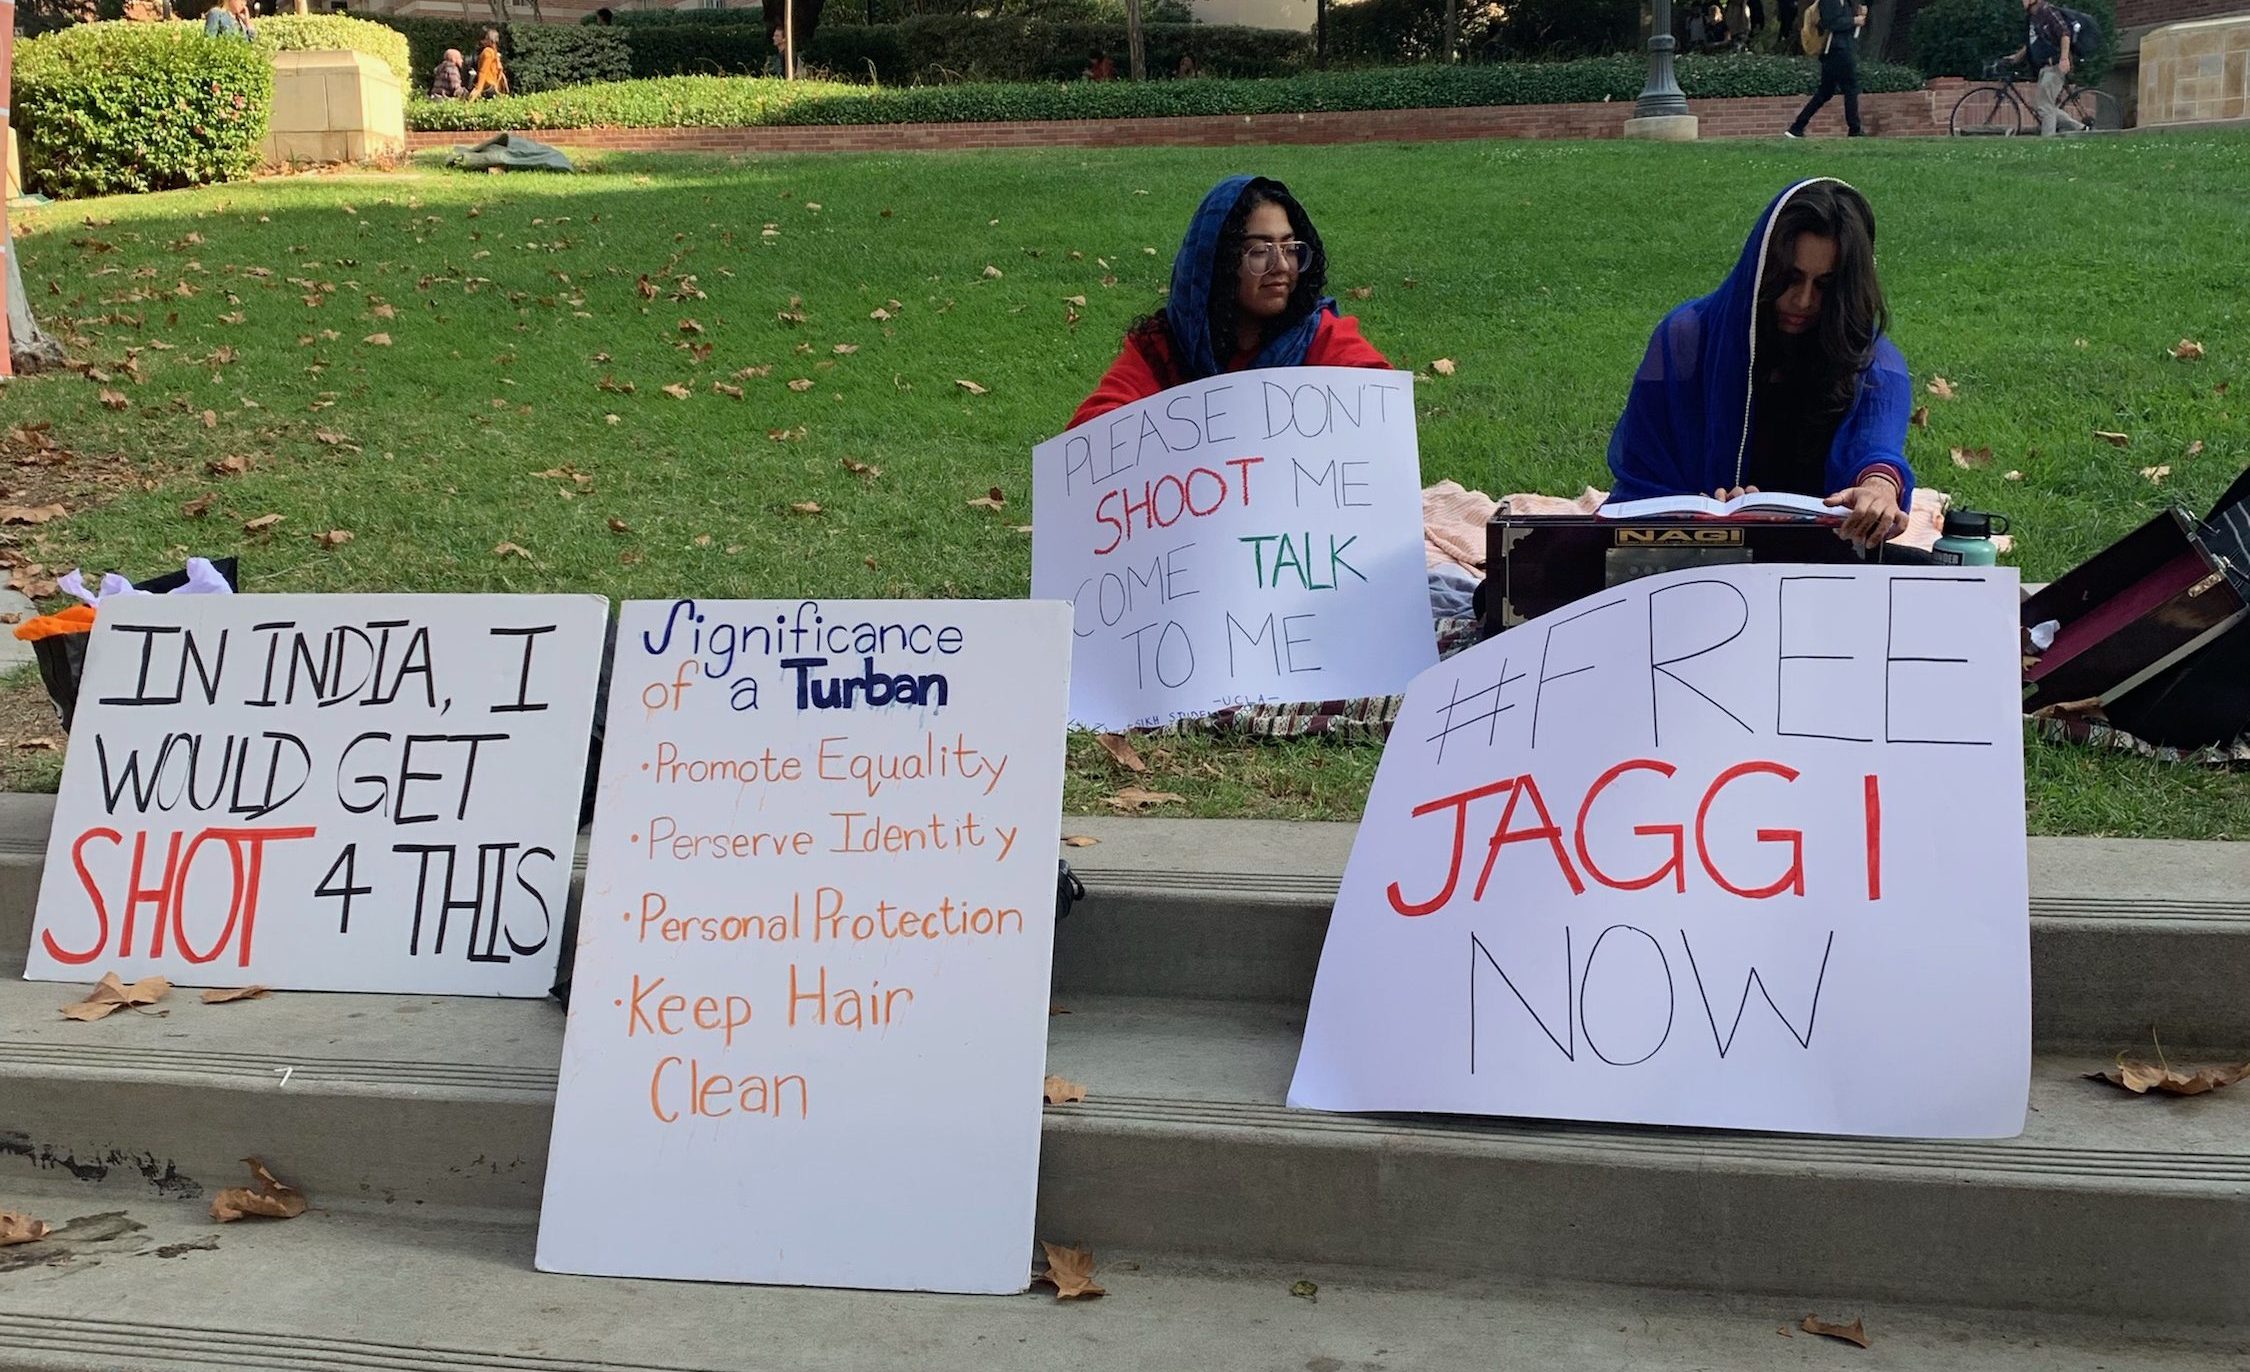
x=334 y=107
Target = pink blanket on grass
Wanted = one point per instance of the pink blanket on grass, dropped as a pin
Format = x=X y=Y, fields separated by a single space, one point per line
x=1454 y=519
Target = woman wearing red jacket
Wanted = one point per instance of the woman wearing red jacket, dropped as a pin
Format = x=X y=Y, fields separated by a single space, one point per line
x=1246 y=292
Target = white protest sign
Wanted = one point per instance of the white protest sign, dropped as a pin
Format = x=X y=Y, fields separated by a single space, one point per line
x=808 y=1016
x=1740 y=847
x=1256 y=536
x=323 y=792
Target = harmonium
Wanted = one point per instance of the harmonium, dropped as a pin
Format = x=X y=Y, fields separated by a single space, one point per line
x=1537 y=563
x=2152 y=633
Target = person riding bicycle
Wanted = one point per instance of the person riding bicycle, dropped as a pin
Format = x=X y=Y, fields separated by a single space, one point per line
x=2048 y=43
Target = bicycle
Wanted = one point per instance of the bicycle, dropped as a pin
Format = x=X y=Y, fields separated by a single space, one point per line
x=2002 y=111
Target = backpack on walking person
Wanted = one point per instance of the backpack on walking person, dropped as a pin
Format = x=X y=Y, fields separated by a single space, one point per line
x=2085 y=39
x=1810 y=37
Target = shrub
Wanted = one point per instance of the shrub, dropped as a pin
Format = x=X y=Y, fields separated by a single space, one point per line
x=549 y=56
x=1958 y=37
x=633 y=19
x=687 y=101
x=112 y=107
x=1386 y=32
x=699 y=49
x=315 y=32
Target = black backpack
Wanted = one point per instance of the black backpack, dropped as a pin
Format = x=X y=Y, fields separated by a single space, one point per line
x=2085 y=38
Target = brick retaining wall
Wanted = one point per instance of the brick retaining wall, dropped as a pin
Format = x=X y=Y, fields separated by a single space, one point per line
x=1893 y=114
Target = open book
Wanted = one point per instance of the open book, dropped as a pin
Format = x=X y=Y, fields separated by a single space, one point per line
x=1760 y=505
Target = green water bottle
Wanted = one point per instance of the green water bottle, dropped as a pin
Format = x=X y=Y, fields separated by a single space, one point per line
x=1968 y=539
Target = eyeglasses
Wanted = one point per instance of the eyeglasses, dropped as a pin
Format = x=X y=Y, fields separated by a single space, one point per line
x=1261 y=255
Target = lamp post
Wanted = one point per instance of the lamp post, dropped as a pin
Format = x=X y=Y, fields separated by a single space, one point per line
x=1661 y=97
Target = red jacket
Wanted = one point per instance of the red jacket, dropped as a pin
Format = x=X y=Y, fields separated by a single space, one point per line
x=1144 y=367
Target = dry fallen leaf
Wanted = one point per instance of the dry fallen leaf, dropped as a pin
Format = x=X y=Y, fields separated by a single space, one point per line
x=2157 y=474
x=1442 y=367
x=678 y=391
x=2188 y=351
x=236 y=993
x=30 y=514
x=510 y=550
x=2112 y=439
x=2193 y=448
x=384 y=312
x=228 y=466
x=2011 y=476
x=801 y=384
x=114 y=400
x=111 y=995
x=260 y=524
x=619 y=526
x=334 y=538
x=1360 y=292
x=1972 y=458
x=865 y=470
x=1120 y=750
x=268 y=1198
x=1079 y=840
x=879 y=315
x=210 y=419
x=1921 y=417
x=971 y=387
x=1305 y=1291
x=200 y=506
x=1133 y=799
x=377 y=340
x=2140 y=1078
x=993 y=499
x=1942 y=388
x=1063 y=1091
x=991 y=273
x=690 y=326
x=15 y=1229
x=1849 y=1333
x=806 y=507
x=329 y=437
x=1070 y=1271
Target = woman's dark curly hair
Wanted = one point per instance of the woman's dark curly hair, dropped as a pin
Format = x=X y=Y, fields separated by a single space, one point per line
x=1852 y=312
x=1226 y=263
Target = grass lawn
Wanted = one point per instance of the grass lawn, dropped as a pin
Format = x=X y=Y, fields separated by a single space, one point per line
x=470 y=374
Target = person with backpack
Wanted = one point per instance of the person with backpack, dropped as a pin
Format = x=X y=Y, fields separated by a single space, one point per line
x=1831 y=29
x=2055 y=40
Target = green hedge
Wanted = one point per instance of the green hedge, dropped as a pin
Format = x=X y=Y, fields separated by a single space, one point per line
x=1958 y=37
x=688 y=101
x=114 y=107
x=316 y=32
x=1387 y=32
x=928 y=49
x=551 y=56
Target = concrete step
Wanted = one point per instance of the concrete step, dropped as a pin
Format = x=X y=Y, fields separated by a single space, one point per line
x=154 y=1286
x=2127 y=935
x=385 y=1106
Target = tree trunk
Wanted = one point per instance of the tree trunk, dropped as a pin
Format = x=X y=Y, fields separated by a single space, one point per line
x=1876 y=41
x=28 y=349
x=1452 y=30
x=1136 y=49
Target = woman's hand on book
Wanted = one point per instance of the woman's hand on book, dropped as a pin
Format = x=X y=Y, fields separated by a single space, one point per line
x=1872 y=516
x=1723 y=494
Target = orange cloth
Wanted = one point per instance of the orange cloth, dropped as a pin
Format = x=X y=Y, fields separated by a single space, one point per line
x=78 y=619
x=490 y=75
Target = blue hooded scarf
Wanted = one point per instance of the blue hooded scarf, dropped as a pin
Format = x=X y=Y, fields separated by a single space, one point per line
x=1188 y=308
x=1687 y=422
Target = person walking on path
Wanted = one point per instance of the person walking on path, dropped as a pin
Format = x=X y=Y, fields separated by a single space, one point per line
x=2050 y=46
x=1839 y=65
x=492 y=78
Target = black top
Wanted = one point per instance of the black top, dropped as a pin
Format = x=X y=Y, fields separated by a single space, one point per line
x=1790 y=435
x=1838 y=18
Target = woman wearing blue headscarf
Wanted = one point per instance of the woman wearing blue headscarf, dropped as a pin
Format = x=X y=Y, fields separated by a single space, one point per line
x=1246 y=292
x=1783 y=379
